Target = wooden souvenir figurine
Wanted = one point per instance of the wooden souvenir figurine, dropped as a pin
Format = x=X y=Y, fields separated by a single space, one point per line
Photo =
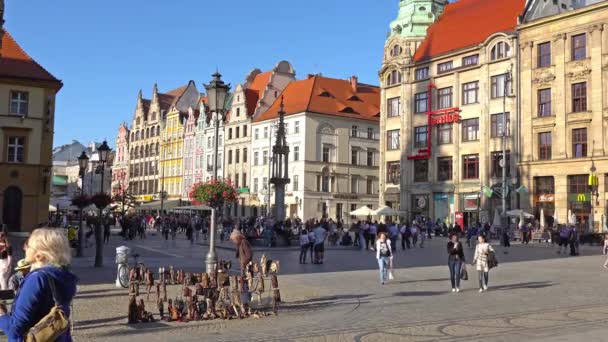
x=132 y=313
x=149 y=283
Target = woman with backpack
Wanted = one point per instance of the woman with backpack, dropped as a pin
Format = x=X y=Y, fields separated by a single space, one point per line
x=384 y=255
x=482 y=260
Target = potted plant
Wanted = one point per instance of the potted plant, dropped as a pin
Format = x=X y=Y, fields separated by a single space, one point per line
x=214 y=193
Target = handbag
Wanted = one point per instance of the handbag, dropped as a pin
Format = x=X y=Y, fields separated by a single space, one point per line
x=51 y=326
x=492 y=260
x=464 y=275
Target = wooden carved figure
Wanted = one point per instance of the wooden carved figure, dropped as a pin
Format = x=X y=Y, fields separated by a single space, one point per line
x=259 y=288
x=149 y=283
x=133 y=283
x=235 y=297
x=263 y=261
x=132 y=310
x=161 y=308
x=171 y=275
x=276 y=293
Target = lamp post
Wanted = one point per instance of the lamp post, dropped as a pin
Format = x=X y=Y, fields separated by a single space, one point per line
x=593 y=187
x=83 y=162
x=162 y=166
x=217 y=92
x=504 y=165
x=103 y=152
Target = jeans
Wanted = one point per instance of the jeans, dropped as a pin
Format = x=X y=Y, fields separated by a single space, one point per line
x=455 y=267
x=383 y=264
x=483 y=279
x=303 y=252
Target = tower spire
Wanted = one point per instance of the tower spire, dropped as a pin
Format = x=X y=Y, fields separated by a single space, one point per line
x=155 y=93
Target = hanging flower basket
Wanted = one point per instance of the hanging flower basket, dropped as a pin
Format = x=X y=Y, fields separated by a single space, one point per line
x=81 y=201
x=214 y=193
x=101 y=200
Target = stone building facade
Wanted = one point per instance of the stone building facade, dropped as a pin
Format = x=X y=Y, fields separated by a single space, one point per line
x=120 y=169
x=564 y=110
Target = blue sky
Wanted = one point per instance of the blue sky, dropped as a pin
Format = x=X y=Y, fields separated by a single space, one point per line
x=105 y=51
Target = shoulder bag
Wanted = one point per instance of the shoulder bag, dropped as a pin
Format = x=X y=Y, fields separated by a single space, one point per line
x=51 y=326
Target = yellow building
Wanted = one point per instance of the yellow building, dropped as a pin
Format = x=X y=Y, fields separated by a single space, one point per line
x=564 y=115
x=27 y=117
x=172 y=140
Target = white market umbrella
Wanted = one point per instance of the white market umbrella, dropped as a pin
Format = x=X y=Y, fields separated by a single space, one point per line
x=518 y=213
x=542 y=219
x=496 y=222
x=386 y=211
x=521 y=219
x=363 y=211
x=52 y=208
x=604 y=226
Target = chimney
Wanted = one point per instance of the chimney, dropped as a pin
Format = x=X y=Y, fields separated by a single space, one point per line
x=354 y=81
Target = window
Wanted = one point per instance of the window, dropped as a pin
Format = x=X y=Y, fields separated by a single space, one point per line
x=544 y=146
x=19 y=102
x=496 y=168
x=500 y=50
x=296 y=183
x=286 y=127
x=544 y=185
x=544 y=55
x=470 y=166
x=470 y=129
x=265 y=132
x=245 y=155
x=324 y=183
x=264 y=157
x=420 y=135
x=370 y=186
x=579 y=47
x=421 y=102
x=444 y=134
x=421 y=170
x=496 y=125
x=256 y=156
x=236 y=180
x=326 y=153
x=238 y=111
x=370 y=158
x=354 y=185
x=209 y=142
x=498 y=86
x=444 y=98
x=396 y=50
x=394 y=78
x=544 y=102
x=470 y=60
x=444 y=67
x=354 y=131
x=393 y=107
x=470 y=92
x=579 y=97
x=444 y=169
x=370 y=133
x=392 y=139
x=237 y=133
x=256 y=133
x=296 y=128
x=296 y=153
x=393 y=172
x=244 y=130
x=422 y=73
x=579 y=142
x=578 y=184
x=229 y=133
x=354 y=156
x=237 y=156
x=255 y=185
x=16 y=149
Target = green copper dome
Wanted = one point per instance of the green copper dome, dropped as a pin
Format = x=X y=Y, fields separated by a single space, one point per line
x=415 y=16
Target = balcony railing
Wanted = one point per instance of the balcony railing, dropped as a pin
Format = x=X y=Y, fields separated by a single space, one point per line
x=365 y=135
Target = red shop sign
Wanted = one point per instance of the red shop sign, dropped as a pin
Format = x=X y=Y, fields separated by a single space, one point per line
x=444 y=119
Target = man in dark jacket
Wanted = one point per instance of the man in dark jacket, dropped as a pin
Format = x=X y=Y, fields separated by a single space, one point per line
x=243 y=249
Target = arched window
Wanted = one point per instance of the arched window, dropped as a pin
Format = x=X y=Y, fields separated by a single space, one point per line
x=147 y=133
x=396 y=50
x=132 y=136
x=500 y=50
x=146 y=151
x=141 y=151
x=11 y=209
x=393 y=78
x=157 y=148
x=157 y=130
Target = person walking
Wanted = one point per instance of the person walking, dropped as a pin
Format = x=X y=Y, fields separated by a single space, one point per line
x=304 y=246
x=366 y=237
x=384 y=255
x=414 y=233
x=243 y=249
x=373 y=234
x=320 y=235
x=393 y=233
x=405 y=236
x=48 y=252
x=480 y=260
x=6 y=260
x=311 y=244
x=455 y=261
x=605 y=250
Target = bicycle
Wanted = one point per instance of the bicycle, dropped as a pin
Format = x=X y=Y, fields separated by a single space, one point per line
x=124 y=272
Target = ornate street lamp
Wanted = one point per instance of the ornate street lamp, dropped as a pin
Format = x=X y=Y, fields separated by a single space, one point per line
x=593 y=187
x=83 y=163
x=103 y=150
x=217 y=92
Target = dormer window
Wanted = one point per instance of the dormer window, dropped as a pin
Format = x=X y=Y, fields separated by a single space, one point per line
x=500 y=50
x=325 y=94
x=348 y=110
x=354 y=98
x=396 y=50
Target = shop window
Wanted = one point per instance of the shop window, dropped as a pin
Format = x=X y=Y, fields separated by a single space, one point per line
x=421 y=170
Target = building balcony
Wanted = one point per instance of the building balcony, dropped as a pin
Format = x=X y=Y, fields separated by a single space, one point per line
x=365 y=135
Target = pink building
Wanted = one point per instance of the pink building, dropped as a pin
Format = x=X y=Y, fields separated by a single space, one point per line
x=120 y=168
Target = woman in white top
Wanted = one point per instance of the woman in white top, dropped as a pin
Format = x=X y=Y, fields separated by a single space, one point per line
x=482 y=251
x=383 y=254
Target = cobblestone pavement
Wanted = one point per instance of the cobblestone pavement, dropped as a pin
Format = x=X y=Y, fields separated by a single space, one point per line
x=535 y=295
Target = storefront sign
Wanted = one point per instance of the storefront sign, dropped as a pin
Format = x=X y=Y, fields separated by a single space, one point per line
x=460 y=219
x=546 y=198
x=420 y=202
x=444 y=119
x=582 y=197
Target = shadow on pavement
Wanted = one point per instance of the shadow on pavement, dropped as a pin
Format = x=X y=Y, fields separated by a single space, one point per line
x=529 y=285
x=419 y=293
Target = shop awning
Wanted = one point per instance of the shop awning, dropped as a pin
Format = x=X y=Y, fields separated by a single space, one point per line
x=155 y=205
x=60 y=180
x=193 y=208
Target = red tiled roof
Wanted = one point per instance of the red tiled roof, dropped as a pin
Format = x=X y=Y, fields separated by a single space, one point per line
x=328 y=96
x=466 y=23
x=256 y=90
x=14 y=62
x=166 y=100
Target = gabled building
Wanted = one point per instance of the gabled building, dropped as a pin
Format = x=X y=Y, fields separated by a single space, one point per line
x=120 y=169
x=564 y=117
x=332 y=132
x=184 y=103
x=27 y=121
x=249 y=100
x=442 y=115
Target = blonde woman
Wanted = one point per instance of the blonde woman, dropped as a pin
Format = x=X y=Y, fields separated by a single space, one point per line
x=482 y=251
x=384 y=255
x=6 y=260
x=48 y=251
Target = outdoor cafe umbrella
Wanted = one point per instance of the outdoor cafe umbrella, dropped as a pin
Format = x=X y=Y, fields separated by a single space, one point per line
x=521 y=219
x=363 y=211
x=386 y=211
x=604 y=226
x=542 y=219
x=518 y=213
x=496 y=222
x=571 y=218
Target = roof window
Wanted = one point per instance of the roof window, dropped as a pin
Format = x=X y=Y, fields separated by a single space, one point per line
x=348 y=110
x=325 y=93
x=354 y=98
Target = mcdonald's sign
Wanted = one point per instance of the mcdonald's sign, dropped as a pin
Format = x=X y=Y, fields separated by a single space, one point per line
x=593 y=181
x=581 y=198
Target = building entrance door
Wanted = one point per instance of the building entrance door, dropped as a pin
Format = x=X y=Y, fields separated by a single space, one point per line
x=11 y=210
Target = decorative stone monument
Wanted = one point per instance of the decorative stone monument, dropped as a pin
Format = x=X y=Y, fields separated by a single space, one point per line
x=280 y=173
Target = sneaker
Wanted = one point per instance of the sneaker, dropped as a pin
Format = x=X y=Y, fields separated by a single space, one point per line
x=382 y=283
x=485 y=287
x=453 y=290
x=480 y=290
x=457 y=290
